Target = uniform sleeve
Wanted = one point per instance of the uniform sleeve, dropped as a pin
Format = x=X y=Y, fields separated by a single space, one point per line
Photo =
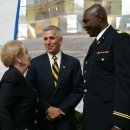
x=121 y=112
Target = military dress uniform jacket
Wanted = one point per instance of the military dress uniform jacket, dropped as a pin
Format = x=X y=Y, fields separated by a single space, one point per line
x=107 y=82
x=17 y=102
x=65 y=96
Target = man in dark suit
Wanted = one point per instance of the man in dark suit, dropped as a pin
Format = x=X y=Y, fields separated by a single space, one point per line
x=58 y=86
x=106 y=74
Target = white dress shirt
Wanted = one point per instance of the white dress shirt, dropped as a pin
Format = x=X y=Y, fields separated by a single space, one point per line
x=101 y=33
x=58 y=58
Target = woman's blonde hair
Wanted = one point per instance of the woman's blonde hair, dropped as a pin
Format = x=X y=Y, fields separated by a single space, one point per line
x=9 y=50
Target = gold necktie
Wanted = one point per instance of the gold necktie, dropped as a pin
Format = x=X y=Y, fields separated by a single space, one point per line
x=55 y=70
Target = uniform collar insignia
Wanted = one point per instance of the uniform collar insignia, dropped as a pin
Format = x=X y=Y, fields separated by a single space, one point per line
x=100 y=40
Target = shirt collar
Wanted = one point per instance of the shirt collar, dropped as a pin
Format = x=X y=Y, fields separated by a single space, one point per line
x=57 y=55
x=101 y=33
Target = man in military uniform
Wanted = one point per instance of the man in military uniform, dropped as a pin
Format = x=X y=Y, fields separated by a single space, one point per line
x=106 y=74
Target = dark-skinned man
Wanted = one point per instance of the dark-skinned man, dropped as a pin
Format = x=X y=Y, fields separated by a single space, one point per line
x=106 y=74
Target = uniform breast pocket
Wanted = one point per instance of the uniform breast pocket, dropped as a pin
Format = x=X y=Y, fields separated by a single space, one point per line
x=104 y=65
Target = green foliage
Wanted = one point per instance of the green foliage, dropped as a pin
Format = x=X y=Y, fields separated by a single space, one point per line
x=78 y=116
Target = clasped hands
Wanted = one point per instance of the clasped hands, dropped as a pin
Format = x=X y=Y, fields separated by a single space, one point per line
x=53 y=114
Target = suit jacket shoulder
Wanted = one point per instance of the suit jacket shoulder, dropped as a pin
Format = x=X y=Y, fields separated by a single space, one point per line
x=11 y=75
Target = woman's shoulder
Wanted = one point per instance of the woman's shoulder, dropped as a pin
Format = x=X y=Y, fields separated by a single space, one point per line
x=10 y=75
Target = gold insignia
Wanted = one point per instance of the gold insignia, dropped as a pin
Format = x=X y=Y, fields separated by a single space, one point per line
x=121 y=115
x=98 y=42
x=120 y=31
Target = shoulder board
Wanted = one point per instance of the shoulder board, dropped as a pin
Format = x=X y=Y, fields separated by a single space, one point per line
x=119 y=31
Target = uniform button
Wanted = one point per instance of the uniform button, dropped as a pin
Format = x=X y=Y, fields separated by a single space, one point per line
x=85 y=71
x=37 y=99
x=36 y=110
x=85 y=90
x=84 y=81
x=35 y=121
x=102 y=59
x=86 y=62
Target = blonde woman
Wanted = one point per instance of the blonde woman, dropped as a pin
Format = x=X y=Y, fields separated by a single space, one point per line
x=17 y=97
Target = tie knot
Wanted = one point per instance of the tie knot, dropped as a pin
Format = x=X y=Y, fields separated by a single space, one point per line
x=54 y=58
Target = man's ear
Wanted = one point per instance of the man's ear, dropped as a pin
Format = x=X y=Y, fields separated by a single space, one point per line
x=61 y=41
x=100 y=17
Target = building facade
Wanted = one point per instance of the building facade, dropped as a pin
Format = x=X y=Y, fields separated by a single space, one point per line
x=35 y=15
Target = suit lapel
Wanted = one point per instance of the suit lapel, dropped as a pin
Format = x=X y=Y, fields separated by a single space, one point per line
x=22 y=77
x=92 y=47
x=47 y=67
x=63 y=69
